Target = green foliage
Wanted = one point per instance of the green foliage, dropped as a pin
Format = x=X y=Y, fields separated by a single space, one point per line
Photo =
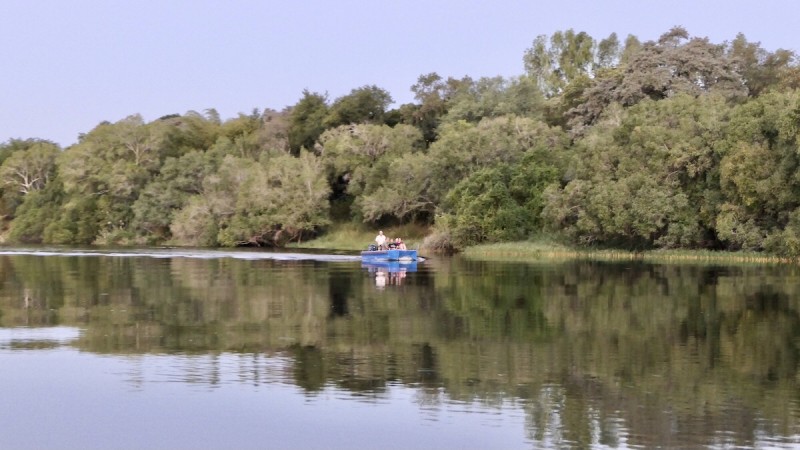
x=567 y=55
x=38 y=209
x=481 y=209
x=464 y=148
x=675 y=64
x=169 y=192
x=763 y=70
x=494 y=97
x=195 y=224
x=644 y=177
x=758 y=173
x=190 y=132
x=366 y=104
x=502 y=202
x=363 y=160
x=434 y=95
x=267 y=203
x=307 y=121
x=672 y=143
x=77 y=222
x=27 y=166
x=400 y=191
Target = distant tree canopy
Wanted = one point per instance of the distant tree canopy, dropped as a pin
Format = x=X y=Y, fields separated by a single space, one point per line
x=676 y=142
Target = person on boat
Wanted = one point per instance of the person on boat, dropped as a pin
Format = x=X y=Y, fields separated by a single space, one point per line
x=391 y=245
x=400 y=244
x=380 y=239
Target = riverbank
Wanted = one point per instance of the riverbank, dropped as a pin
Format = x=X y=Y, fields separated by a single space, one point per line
x=349 y=236
x=356 y=237
x=547 y=250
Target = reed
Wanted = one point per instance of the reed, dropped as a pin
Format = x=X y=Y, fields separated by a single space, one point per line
x=539 y=250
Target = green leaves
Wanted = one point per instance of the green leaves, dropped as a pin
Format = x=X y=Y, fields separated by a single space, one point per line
x=29 y=170
x=642 y=179
x=674 y=142
x=267 y=203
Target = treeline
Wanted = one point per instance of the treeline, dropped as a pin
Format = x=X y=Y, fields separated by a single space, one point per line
x=672 y=143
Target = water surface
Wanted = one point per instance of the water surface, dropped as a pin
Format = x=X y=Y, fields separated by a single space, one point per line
x=165 y=348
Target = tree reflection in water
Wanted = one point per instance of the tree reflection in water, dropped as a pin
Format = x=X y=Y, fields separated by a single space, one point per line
x=614 y=354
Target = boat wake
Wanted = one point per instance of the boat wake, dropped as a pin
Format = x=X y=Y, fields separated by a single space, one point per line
x=181 y=253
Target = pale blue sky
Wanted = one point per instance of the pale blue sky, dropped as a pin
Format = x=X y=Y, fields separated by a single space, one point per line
x=69 y=64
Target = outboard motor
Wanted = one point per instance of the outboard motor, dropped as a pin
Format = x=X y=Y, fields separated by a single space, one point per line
x=373 y=247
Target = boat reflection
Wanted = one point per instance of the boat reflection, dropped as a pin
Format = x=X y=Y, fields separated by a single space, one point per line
x=389 y=273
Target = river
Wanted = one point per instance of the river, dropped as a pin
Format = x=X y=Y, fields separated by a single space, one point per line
x=184 y=348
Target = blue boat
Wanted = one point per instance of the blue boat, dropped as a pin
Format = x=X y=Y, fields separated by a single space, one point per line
x=388 y=255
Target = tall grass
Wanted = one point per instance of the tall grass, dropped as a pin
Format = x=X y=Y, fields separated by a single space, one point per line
x=354 y=237
x=547 y=250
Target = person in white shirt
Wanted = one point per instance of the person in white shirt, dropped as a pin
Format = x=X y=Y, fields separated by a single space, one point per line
x=380 y=239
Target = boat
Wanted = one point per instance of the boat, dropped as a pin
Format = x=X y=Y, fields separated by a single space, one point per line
x=388 y=255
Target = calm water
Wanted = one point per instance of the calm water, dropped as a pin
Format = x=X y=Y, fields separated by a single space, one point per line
x=202 y=349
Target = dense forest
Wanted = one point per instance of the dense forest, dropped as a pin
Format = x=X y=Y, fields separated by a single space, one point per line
x=672 y=143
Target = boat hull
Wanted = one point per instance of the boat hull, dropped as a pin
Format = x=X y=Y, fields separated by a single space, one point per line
x=389 y=255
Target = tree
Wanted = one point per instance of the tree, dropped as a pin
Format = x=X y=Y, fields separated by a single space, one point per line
x=403 y=193
x=675 y=64
x=141 y=143
x=29 y=170
x=645 y=177
x=498 y=203
x=495 y=97
x=760 y=69
x=307 y=121
x=567 y=55
x=25 y=166
x=280 y=201
x=190 y=132
x=366 y=104
x=758 y=172
x=608 y=52
x=38 y=209
x=179 y=179
x=434 y=95
x=103 y=175
x=464 y=148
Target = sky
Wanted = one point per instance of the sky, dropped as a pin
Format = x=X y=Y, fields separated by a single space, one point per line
x=68 y=65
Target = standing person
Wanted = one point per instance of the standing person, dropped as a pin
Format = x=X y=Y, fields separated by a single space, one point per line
x=380 y=239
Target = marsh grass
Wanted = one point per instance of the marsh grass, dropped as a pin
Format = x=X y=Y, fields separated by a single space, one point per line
x=548 y=250
x=350 y=236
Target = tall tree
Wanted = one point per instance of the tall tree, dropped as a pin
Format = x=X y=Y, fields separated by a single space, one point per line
x=566 y=56
x=673 y=65
x=763 y=70
x=357 y=159
x=30 y=170
x=434 y=95
x=646 y=176
x=758 y=173
x=306 y=121
x=367 y=104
